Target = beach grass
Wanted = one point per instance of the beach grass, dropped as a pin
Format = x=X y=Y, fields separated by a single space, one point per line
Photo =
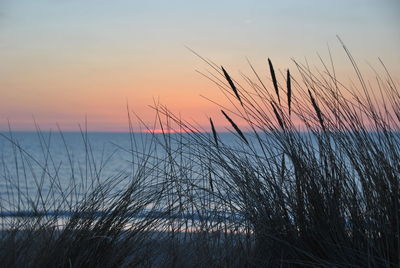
x=312 y=180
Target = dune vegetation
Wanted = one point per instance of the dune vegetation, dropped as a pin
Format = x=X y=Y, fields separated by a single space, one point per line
x=312 y=179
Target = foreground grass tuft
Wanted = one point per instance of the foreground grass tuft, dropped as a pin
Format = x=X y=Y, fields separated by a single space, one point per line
x=312 y=180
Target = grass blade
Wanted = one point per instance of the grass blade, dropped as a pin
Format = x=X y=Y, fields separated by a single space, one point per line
x=235 y=127
x=278 y=117
x=317 y=110
x=274 y=81
x=228 y=78
x=214 y=132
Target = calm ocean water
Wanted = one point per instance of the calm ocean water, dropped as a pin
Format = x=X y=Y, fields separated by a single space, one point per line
x=36 y=166
x=44 y=169
x=59 y=151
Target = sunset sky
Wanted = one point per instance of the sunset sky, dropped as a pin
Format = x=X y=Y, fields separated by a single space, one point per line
x=62 y=61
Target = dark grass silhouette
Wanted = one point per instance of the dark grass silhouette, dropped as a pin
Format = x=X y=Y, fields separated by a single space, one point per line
x=322 y=194
x=312 y=180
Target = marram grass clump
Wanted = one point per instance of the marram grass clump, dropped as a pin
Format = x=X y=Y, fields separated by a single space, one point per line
x=312 y=179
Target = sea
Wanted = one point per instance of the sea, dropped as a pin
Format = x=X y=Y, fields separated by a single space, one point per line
x=53 y=172
x=50 y=171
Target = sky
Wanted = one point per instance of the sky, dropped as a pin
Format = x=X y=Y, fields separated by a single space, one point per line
x=67 y=62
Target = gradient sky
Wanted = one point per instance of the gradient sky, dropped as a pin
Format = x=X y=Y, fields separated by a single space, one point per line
x=62 y=61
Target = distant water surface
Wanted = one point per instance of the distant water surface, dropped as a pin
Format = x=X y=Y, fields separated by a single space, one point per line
x=48 y=163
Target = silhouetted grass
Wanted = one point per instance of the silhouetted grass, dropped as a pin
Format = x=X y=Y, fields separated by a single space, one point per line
x=312 y=180
x=315 y=179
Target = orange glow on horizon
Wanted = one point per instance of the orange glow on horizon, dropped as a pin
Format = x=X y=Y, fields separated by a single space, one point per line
x=167 y=131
